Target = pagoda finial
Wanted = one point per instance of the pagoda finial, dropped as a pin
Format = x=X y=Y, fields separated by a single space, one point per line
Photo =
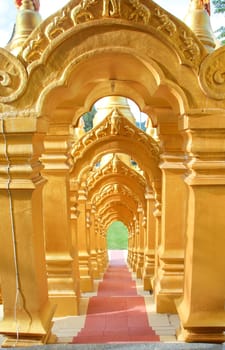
x=28 y=4
x=198 y=20
x=27 y=19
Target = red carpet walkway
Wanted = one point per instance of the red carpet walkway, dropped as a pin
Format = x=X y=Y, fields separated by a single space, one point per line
x=117 y=314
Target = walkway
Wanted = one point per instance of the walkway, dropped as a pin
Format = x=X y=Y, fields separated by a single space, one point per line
x=118 y=312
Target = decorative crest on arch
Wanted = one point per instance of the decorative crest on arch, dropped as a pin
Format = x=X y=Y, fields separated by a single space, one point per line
x=115 y=167
x=115 y=125
x=114 y=189
x=144 y=12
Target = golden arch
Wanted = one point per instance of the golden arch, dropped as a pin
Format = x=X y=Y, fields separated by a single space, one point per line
x=52 y=86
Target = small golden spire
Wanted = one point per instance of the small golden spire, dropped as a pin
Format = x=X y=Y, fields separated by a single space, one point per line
x=198 y=20
x=27 y=19
x=111 y=104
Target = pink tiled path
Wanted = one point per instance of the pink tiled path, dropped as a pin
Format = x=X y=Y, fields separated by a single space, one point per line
x=117 y=313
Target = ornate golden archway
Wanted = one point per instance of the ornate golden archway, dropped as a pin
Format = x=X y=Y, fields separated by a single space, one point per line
x=71 y=60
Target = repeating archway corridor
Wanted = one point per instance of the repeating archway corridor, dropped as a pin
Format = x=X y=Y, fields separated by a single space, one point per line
x=119 y=311
x=62 y=184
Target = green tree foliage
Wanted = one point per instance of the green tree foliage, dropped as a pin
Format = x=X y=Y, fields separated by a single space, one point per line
x=117 y=236
x=220 y=8
x=88 y=119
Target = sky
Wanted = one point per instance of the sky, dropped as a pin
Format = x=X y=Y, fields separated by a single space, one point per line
x=8 y=13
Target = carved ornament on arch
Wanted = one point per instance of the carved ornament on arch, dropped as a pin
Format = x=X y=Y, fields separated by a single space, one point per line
x=114 y=189
x=144 y=12
x=13 y=77
x=115 y=125
x=115 y=166
x=212 y=74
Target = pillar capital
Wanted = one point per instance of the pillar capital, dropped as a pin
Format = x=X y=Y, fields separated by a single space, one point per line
x=22 y=145
x=205 y=147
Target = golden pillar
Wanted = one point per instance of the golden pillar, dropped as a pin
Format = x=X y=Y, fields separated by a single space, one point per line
x=136 y=233
x=104 y=249
x=131 y=244
x=98 y=244
x=157 y=215
x=149 y=252
x=56 y=209
x=27 y=311
x=93 y=244
x=86 y=280
x=74 y=213
x=201 y=309
x=140 y=248
x=169 y=281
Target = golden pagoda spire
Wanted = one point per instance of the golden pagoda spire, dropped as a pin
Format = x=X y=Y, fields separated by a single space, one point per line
x=105 y=106
x=198 y=19
x=27 y=19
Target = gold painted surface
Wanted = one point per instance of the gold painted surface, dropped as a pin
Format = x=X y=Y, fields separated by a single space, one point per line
x=57 y=203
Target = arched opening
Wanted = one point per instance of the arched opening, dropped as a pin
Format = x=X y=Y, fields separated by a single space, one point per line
x=64 y=70
x=117 y=236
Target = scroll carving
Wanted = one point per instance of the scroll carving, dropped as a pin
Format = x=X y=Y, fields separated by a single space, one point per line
x=34 y=50
x=212 y=74
x=13 y=77
x=57 y=26
x=82 y=11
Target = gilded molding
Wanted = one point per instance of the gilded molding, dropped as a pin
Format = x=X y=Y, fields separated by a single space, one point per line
x=115 y=167
x=13 y=77
x=115 y=125
x=212 y=74
x=115 y=189
x=144 y=12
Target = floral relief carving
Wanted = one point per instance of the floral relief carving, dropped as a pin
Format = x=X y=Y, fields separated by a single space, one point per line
x=13 y=77
x=212 y=74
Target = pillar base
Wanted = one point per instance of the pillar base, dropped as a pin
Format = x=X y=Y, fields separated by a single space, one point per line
x=33 y=331
x=23 y=341
x=66 y=305
x=147 y=283
x=139 y=271
x=165 y=302
x=86 y=284
x=201 y=335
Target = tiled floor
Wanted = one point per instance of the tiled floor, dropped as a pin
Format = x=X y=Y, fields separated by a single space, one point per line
x=164 y=325
x=66 y=328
